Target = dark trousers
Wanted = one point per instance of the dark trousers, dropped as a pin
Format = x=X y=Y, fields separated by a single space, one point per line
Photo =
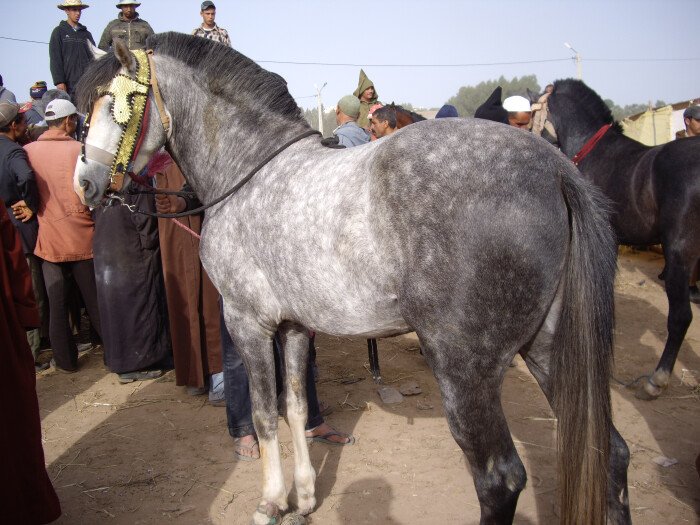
x=239 y=412
x=56 y=277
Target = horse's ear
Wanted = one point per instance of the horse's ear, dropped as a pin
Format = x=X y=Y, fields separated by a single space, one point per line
x=97 y=53
x=534 y=97
x=121 y=51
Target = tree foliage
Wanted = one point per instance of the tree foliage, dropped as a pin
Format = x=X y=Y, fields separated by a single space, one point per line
x=469 y=98
x=329 y=124
x=621 y=112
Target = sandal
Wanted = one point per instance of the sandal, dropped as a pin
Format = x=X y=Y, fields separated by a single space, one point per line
x=325 y=438
x=141 y=375
x=241 y=449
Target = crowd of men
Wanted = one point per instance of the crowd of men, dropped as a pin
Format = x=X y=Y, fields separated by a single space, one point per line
x=150 y=304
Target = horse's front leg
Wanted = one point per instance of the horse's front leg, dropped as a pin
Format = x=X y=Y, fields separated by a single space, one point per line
x=295 y=341
x=255 y=346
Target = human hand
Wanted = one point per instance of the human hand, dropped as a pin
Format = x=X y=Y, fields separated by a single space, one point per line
x=21 y=211
x=62 y=86
x=169 y=203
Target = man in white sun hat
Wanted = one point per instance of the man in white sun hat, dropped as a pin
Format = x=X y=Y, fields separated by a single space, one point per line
x=519 y=111
x=128 y=27
x=69 y=53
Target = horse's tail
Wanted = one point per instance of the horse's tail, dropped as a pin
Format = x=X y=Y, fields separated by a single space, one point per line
x=582 y=356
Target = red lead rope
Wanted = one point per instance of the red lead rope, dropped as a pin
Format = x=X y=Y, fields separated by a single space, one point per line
x=588 y=146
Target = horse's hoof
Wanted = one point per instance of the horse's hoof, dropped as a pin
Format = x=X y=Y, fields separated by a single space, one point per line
x=267 y=514
x=648 y=391
x=694 y=295
x=294 y=518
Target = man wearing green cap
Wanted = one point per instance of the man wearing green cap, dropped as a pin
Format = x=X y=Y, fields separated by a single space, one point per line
x=368 y=96
x=128 y=27
x=69 y=54
x=349 y=134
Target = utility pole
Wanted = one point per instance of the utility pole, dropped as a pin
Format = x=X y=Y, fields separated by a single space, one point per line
x=320 y=106
x=577 y=57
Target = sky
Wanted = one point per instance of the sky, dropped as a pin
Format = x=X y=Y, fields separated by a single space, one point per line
x=420 y=52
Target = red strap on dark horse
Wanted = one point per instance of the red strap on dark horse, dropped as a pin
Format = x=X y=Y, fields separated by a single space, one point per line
x=588 y=146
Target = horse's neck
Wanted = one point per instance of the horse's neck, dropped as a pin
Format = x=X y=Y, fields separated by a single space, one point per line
x=217 y=145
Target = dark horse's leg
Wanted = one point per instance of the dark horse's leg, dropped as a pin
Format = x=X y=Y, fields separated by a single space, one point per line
x=679 y=318
x=470 y=382
x=537 y=357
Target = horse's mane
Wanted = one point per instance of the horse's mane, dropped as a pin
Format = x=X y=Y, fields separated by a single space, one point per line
x=578 y=91
x=224 y=71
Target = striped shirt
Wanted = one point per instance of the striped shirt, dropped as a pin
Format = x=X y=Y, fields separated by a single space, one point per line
x=218 y=34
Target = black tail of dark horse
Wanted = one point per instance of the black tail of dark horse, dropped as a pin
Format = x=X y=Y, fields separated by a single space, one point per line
x=582 y=357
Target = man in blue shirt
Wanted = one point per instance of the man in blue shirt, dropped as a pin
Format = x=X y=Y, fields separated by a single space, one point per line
x=349 y=134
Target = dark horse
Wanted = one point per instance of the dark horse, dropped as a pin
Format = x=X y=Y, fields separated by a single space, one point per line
x=480 y=238
x=404 y=116
x=655 y=193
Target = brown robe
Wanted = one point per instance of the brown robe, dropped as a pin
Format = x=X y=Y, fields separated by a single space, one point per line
x=26 y=493
x=192 y=298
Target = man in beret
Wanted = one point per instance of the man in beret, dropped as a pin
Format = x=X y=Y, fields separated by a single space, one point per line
x=349 y=134
x=69 y=53
x=209 y=29
x=128 y=27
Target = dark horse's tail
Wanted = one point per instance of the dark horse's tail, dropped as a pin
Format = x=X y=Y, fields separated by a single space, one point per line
x=582 y=356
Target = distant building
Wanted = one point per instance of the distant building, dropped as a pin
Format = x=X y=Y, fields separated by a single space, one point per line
x=658 y=125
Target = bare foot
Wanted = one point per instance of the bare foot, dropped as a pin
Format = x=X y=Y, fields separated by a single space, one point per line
x=324 y=433
x=246 y=448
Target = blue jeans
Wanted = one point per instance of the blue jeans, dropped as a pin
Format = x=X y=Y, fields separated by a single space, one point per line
x=239 y=412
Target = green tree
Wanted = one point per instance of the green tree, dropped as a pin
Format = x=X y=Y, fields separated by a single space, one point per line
x=469 y=98
x=621 y=112
x=329 y=124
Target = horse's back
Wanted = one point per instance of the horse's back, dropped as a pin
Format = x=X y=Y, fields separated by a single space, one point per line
x=473 y=214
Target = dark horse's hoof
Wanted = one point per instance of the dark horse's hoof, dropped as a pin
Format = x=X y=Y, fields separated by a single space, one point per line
x=694 y=295
x=648 y=391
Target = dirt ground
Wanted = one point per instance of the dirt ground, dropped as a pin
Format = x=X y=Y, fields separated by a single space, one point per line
x=148 y=453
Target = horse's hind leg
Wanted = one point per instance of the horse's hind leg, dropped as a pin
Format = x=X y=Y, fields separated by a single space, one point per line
x=470 y=386
x=537 y=358
x=679 y=317
x=295 y=341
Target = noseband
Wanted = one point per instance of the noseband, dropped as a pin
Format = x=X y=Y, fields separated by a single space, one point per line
x=130 y=110
x=540 y=122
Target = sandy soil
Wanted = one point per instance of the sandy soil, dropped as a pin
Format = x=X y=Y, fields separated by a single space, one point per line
x=148 y=453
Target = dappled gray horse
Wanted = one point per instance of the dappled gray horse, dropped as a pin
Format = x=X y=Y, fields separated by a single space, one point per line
x=478 y=236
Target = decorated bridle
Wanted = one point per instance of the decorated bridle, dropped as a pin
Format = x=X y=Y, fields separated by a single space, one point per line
x=541 y=122
x=130 y=110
